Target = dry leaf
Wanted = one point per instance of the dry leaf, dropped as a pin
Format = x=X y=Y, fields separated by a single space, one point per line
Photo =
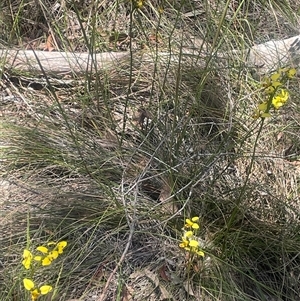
x=188 y=288
x=165 y=295
x=49 y=44
x=127 y=293
x=163 y=274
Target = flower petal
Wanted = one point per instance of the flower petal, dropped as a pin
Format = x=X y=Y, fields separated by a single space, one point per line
x=200 y=253
x=46 y=261
x=53 y=255
x=35 y=294
x=275 y=76
x=195 y=226
x=184 y=243
x=60 y=246
x=291 y=72
x=188 y=234
x=27 y=259
x=27 y=254
x=188 y=222
x=45 y=289
x=42 y=249
x=28 y=284
x=193 y=243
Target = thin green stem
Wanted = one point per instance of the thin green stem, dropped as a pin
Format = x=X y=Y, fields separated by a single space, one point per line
x=235 y=211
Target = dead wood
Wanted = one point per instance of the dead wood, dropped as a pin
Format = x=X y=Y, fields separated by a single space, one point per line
x=262 y=57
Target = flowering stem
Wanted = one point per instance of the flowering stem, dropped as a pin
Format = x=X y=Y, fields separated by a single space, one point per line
x=243 y=190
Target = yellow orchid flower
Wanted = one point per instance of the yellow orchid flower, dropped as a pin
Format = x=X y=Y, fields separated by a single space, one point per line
x=192 y=223
x=280 y=99
x=36 y=292
x=27 y=257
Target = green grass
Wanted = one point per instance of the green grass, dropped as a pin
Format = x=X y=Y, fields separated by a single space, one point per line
x=116 y=164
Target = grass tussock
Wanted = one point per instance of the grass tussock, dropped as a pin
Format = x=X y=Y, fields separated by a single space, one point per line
x=115 y=164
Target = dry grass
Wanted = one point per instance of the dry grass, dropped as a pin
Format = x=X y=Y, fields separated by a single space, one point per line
x=115 y=164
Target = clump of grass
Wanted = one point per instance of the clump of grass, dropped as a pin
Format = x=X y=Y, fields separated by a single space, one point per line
x=117 y=164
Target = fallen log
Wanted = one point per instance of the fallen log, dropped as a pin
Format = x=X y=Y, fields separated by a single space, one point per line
x=58 y=64
x=262 y=57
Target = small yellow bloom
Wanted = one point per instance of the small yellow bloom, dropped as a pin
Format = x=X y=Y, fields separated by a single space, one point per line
x=36 y=292
x=28 y=284
x=200 y=253
x=27 y=257
x=274 y=77
x=291 y=73
x=46 y=261
x=184 y=243
x=139 y=3
x=188 y=234
x=186 y=239
x=192 y=223
x=279 y=100
x=42 y=249
x=193 y=243
x=49 y=256
x=190 y=244
x=60 y=246
x=45 y=289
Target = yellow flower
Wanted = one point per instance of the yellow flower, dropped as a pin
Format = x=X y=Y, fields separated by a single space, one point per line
x=42 y=249
x=280 y=99
x=193 y=243
x=200 y=253
x=188 y=234
x=291 y=73
x=139 y=3
x=271 y=83
x=49 y=256
x=186 y=239
x=274 y=77
x=190 y=244
x=36 y=292
x=184 y=244
x=27 y=257
x=277 y=94
x=192 y=223
x=60 y=246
